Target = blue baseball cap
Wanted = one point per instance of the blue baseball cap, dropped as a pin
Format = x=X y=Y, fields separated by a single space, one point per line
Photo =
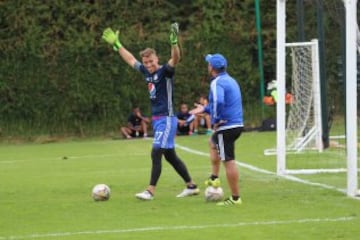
x=216 y=60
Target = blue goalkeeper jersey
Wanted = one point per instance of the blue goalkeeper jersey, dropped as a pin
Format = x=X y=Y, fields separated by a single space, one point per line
x=225 y=102
x=161 y=87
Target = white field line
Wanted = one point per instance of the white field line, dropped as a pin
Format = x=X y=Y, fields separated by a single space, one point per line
x=73 y=157
x=175 y=228
x=260 y=170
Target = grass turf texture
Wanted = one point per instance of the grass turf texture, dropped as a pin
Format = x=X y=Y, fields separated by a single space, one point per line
x=45 y=193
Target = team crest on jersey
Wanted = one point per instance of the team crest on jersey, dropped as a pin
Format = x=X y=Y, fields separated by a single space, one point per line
x=153 y=78
x=152 y=90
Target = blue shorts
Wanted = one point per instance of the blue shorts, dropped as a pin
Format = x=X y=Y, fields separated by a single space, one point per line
x=164 y=131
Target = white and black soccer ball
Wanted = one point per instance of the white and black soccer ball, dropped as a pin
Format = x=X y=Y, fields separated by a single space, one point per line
x=214 y=194
x=101 y=192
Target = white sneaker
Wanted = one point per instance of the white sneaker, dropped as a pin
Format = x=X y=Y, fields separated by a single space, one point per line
x=189 y=192
x=145 y=195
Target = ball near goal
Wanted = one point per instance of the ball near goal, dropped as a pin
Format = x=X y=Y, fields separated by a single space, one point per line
x=101 y=192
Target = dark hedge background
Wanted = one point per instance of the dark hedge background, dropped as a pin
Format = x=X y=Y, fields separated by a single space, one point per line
x=58 y=77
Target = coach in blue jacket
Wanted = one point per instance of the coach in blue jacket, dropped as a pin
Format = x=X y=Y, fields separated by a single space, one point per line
x=225 y=109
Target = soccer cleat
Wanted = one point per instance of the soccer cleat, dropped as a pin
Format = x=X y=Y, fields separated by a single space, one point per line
x=215 y=183
x=229 y=201
x=209 y=132
x=188 y=192
x=145 y=195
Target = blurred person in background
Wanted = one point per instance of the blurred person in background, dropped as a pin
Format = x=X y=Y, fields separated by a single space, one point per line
x=185 y=120
x=137 y=125
x=202 y=119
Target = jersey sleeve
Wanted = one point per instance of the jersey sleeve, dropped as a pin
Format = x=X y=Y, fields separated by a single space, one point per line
x=218 y=102
x=169 y=71
x=140 y=67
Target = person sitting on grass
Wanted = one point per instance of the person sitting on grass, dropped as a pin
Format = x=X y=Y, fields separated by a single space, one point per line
x=185 y=121
x=202 y=119
x=137 y=125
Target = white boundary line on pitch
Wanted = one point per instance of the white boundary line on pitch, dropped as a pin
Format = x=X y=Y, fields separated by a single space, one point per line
x=173 y=228
x=260 y=170
x=70 y=157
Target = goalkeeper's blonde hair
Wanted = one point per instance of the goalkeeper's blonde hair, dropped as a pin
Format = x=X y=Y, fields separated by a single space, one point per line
x=147 y=52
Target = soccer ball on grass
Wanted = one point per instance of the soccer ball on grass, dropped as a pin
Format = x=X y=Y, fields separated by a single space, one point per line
x=214 y=194
x=101 y=192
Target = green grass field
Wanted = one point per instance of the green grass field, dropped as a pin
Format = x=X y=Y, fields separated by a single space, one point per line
x=45 y=194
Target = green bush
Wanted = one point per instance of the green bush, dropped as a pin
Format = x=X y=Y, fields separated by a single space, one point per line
x=58 y=77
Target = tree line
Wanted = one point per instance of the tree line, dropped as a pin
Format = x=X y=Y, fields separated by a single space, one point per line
x=58 y=77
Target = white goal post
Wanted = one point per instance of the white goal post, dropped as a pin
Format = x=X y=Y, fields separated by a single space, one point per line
x=351 y=94
x=351 y=97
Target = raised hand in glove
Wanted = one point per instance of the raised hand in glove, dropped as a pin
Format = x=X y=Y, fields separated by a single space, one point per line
x=112 y=38
x=174 y=31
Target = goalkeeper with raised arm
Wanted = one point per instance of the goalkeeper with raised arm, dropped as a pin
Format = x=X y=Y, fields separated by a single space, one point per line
x=160 y=82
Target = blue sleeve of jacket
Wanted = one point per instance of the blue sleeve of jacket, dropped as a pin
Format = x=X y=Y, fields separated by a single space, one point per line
x=218 y=102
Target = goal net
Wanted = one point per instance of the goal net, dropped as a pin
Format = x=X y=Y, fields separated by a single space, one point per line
x=303 y=130
x=303 y=116
x=316 y=143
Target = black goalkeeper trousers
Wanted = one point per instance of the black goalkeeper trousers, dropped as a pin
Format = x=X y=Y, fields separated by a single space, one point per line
x=173 y=159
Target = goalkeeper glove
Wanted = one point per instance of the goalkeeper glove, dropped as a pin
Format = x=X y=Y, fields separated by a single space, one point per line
x=174 y=30
x=112 y=38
